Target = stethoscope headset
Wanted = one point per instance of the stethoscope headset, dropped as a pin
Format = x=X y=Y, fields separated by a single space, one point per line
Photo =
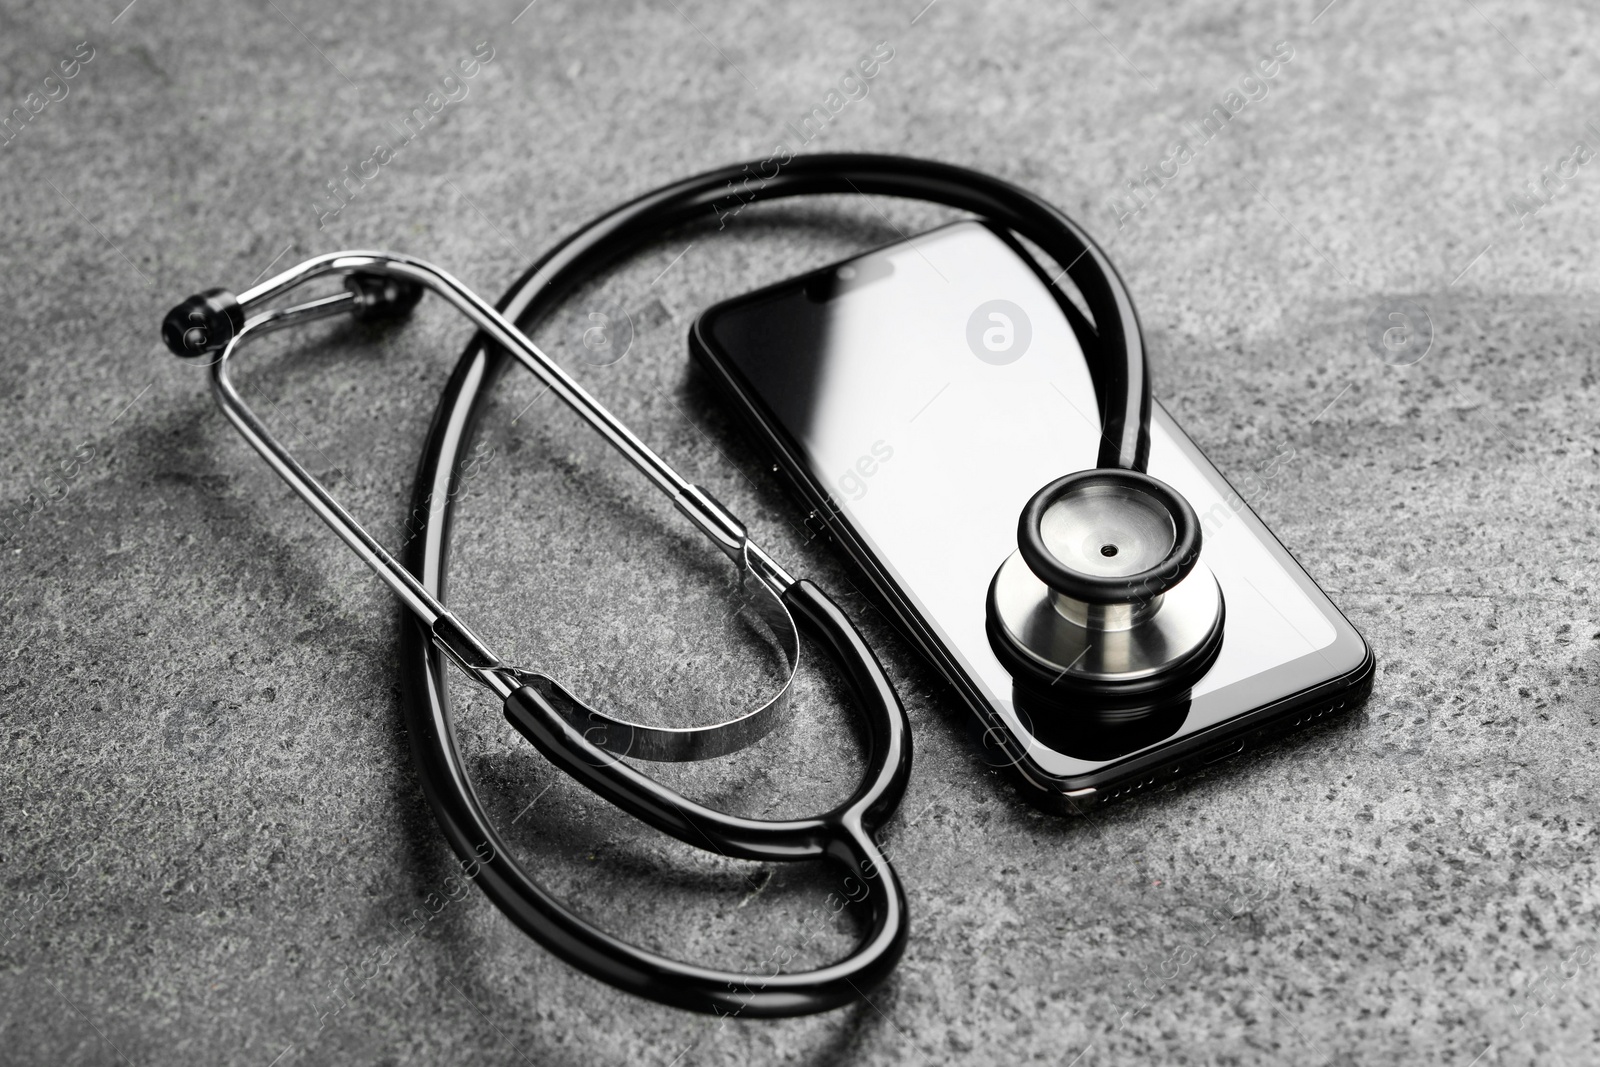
x=1086 y=612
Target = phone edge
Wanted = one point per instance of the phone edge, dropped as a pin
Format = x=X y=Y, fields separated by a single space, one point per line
x=1073 y=794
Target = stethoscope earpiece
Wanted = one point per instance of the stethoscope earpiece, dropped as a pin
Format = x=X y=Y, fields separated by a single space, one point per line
x=1106 y=594
x=203 y=324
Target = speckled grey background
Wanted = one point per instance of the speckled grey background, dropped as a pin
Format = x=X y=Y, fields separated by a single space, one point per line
x=210 y=834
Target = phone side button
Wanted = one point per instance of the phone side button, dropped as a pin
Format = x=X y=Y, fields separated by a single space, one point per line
x=1222 y=752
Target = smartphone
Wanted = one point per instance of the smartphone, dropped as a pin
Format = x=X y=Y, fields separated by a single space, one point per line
x=916 y=397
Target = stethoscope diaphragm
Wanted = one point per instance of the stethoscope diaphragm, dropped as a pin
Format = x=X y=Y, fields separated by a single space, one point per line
x=1106 y=594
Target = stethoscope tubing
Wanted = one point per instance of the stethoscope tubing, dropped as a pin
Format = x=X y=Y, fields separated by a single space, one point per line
x=844 y=835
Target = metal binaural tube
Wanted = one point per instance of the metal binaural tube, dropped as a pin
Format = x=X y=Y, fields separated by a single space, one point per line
x=367 y=296
x=501 y=331
x=374 y=555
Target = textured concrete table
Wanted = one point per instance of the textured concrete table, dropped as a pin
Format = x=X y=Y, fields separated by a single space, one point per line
x=212 y=845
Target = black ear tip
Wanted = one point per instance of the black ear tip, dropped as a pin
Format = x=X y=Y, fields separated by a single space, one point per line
x=382 y=297
x=202 y=324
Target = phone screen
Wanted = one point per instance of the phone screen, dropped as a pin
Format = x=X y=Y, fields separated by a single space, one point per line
x=931 y=388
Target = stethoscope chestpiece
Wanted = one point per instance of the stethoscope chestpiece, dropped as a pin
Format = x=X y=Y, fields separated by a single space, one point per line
x=1106 y=595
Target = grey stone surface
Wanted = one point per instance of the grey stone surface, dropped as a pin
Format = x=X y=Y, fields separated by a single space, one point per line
x=208 y=818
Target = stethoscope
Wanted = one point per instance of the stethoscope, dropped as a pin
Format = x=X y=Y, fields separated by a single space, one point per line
x=1100 y=603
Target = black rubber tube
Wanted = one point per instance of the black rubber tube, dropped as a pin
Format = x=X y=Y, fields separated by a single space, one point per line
x=844 y=835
